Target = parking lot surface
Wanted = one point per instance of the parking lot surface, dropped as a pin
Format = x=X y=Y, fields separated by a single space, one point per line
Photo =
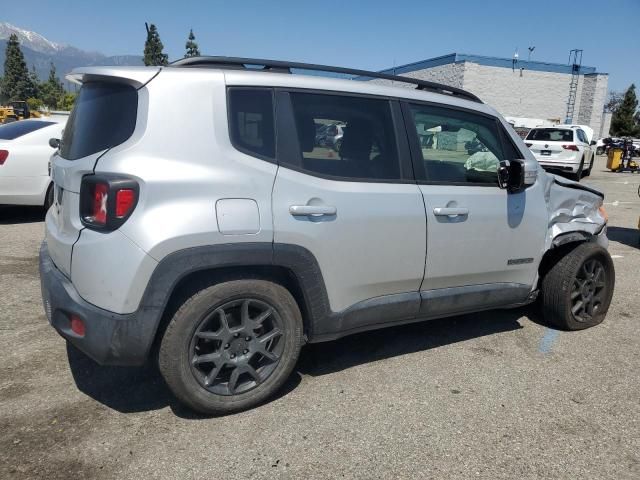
x=490 y=395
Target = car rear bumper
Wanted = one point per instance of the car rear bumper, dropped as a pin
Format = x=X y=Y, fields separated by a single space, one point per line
x=562 y=166
x=109 y=338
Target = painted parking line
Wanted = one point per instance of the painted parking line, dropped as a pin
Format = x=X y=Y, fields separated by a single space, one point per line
x=547 y=341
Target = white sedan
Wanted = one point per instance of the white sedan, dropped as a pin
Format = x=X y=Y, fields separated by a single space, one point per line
x=24 y=161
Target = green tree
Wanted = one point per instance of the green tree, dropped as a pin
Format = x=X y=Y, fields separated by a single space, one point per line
x=623 y=123
x=191 y=46
x=613 y=101
x=16 y=83
x=35 y=104
x=35 y=81
x=153 y=47
x=51 y=90
x=66 y=101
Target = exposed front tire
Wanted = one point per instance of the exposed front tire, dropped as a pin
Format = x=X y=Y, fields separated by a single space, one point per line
x=231 y=346
x=577 y=291
x=48 y=199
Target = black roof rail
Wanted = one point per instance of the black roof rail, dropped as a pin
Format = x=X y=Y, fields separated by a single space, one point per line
x=285 y=67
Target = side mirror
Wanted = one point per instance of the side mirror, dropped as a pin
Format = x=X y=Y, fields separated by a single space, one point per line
x=54 y=143
x=593 y=142
x=511 y=175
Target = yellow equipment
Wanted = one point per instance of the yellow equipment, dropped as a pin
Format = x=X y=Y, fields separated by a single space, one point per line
x=614 y=158
x=15 y=111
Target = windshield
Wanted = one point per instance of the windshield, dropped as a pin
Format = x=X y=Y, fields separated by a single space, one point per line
x=14 y=130
x=104 y=116
x=551 y=134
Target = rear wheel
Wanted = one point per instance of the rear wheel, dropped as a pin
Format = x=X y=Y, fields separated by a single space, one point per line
x=231 y=346
x=577 y=291
x=587 y=172
x=578 y=175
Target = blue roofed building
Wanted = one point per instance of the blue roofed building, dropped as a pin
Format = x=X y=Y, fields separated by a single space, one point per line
x=519 y=88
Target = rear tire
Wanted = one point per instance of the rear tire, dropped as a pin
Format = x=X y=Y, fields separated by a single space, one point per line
x=231 y=346
x=578 y=175
x=577 y=291
x=587 y=172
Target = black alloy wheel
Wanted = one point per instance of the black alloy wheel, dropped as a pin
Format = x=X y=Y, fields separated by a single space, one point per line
x=588 y=293
x=236 y=346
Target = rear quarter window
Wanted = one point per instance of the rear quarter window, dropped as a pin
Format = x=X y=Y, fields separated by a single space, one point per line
x=104 y=116
x=14 y=130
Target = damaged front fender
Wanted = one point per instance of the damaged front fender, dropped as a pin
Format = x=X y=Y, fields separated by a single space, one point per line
x=574 y=212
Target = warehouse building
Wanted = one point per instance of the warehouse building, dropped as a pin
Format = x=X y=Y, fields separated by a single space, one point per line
x=519 y=88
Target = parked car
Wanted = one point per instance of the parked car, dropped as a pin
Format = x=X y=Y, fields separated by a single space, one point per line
x=219 y=248
x=24 y=161
x=564 y=149
x=331 y=137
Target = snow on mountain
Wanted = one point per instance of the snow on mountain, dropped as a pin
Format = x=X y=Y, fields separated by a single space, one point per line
x=32 y=40
x=39 y=52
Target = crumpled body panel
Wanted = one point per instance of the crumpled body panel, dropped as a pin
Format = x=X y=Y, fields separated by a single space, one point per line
x=572 y=207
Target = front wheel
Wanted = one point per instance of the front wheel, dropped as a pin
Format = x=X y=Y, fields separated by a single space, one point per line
x=231 y=346
x=577 y=291
x=48 y=199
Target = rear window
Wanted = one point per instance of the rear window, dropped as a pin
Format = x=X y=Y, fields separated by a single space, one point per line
x=104 y=116
x=14 y=130
x=551 y=135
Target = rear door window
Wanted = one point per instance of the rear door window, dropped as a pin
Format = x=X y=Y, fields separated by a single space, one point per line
x=104 y=116
x=14 y=130
x=344 y=137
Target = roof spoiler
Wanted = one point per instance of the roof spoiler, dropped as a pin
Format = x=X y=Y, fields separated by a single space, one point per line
x=135 y=76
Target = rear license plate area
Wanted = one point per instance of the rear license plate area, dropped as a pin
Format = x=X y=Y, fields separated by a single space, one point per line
x=545 y=153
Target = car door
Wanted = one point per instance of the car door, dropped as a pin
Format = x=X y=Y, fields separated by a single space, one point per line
x=483 y=243
x=355 y=206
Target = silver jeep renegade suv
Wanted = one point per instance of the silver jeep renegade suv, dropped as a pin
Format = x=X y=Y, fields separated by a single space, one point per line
x=197 y=222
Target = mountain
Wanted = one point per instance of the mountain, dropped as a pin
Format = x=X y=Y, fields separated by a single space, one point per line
x=40 y=52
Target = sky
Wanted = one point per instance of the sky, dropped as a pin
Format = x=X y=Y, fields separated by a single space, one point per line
x=370 y=35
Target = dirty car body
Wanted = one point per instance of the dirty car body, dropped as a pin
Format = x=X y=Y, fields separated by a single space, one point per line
x=153 y=217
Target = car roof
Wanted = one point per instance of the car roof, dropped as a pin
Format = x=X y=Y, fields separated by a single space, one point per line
x=139 y=76
x=556 y=127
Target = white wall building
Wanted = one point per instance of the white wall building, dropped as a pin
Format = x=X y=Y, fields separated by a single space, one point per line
x=524 y=88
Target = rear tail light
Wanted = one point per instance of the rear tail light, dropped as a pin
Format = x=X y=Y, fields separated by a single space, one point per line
x=573 y=148
x=77 y=325
x=99 y=206
x=528 y=144
x=107 y=201
x=125 y=201
x=3 y=156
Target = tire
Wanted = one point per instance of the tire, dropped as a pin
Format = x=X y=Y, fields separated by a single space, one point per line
x=587 y=172
x=578 y=175
x=338 y=145
x=48 y=199
x=571 y=280
x=197 y=332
